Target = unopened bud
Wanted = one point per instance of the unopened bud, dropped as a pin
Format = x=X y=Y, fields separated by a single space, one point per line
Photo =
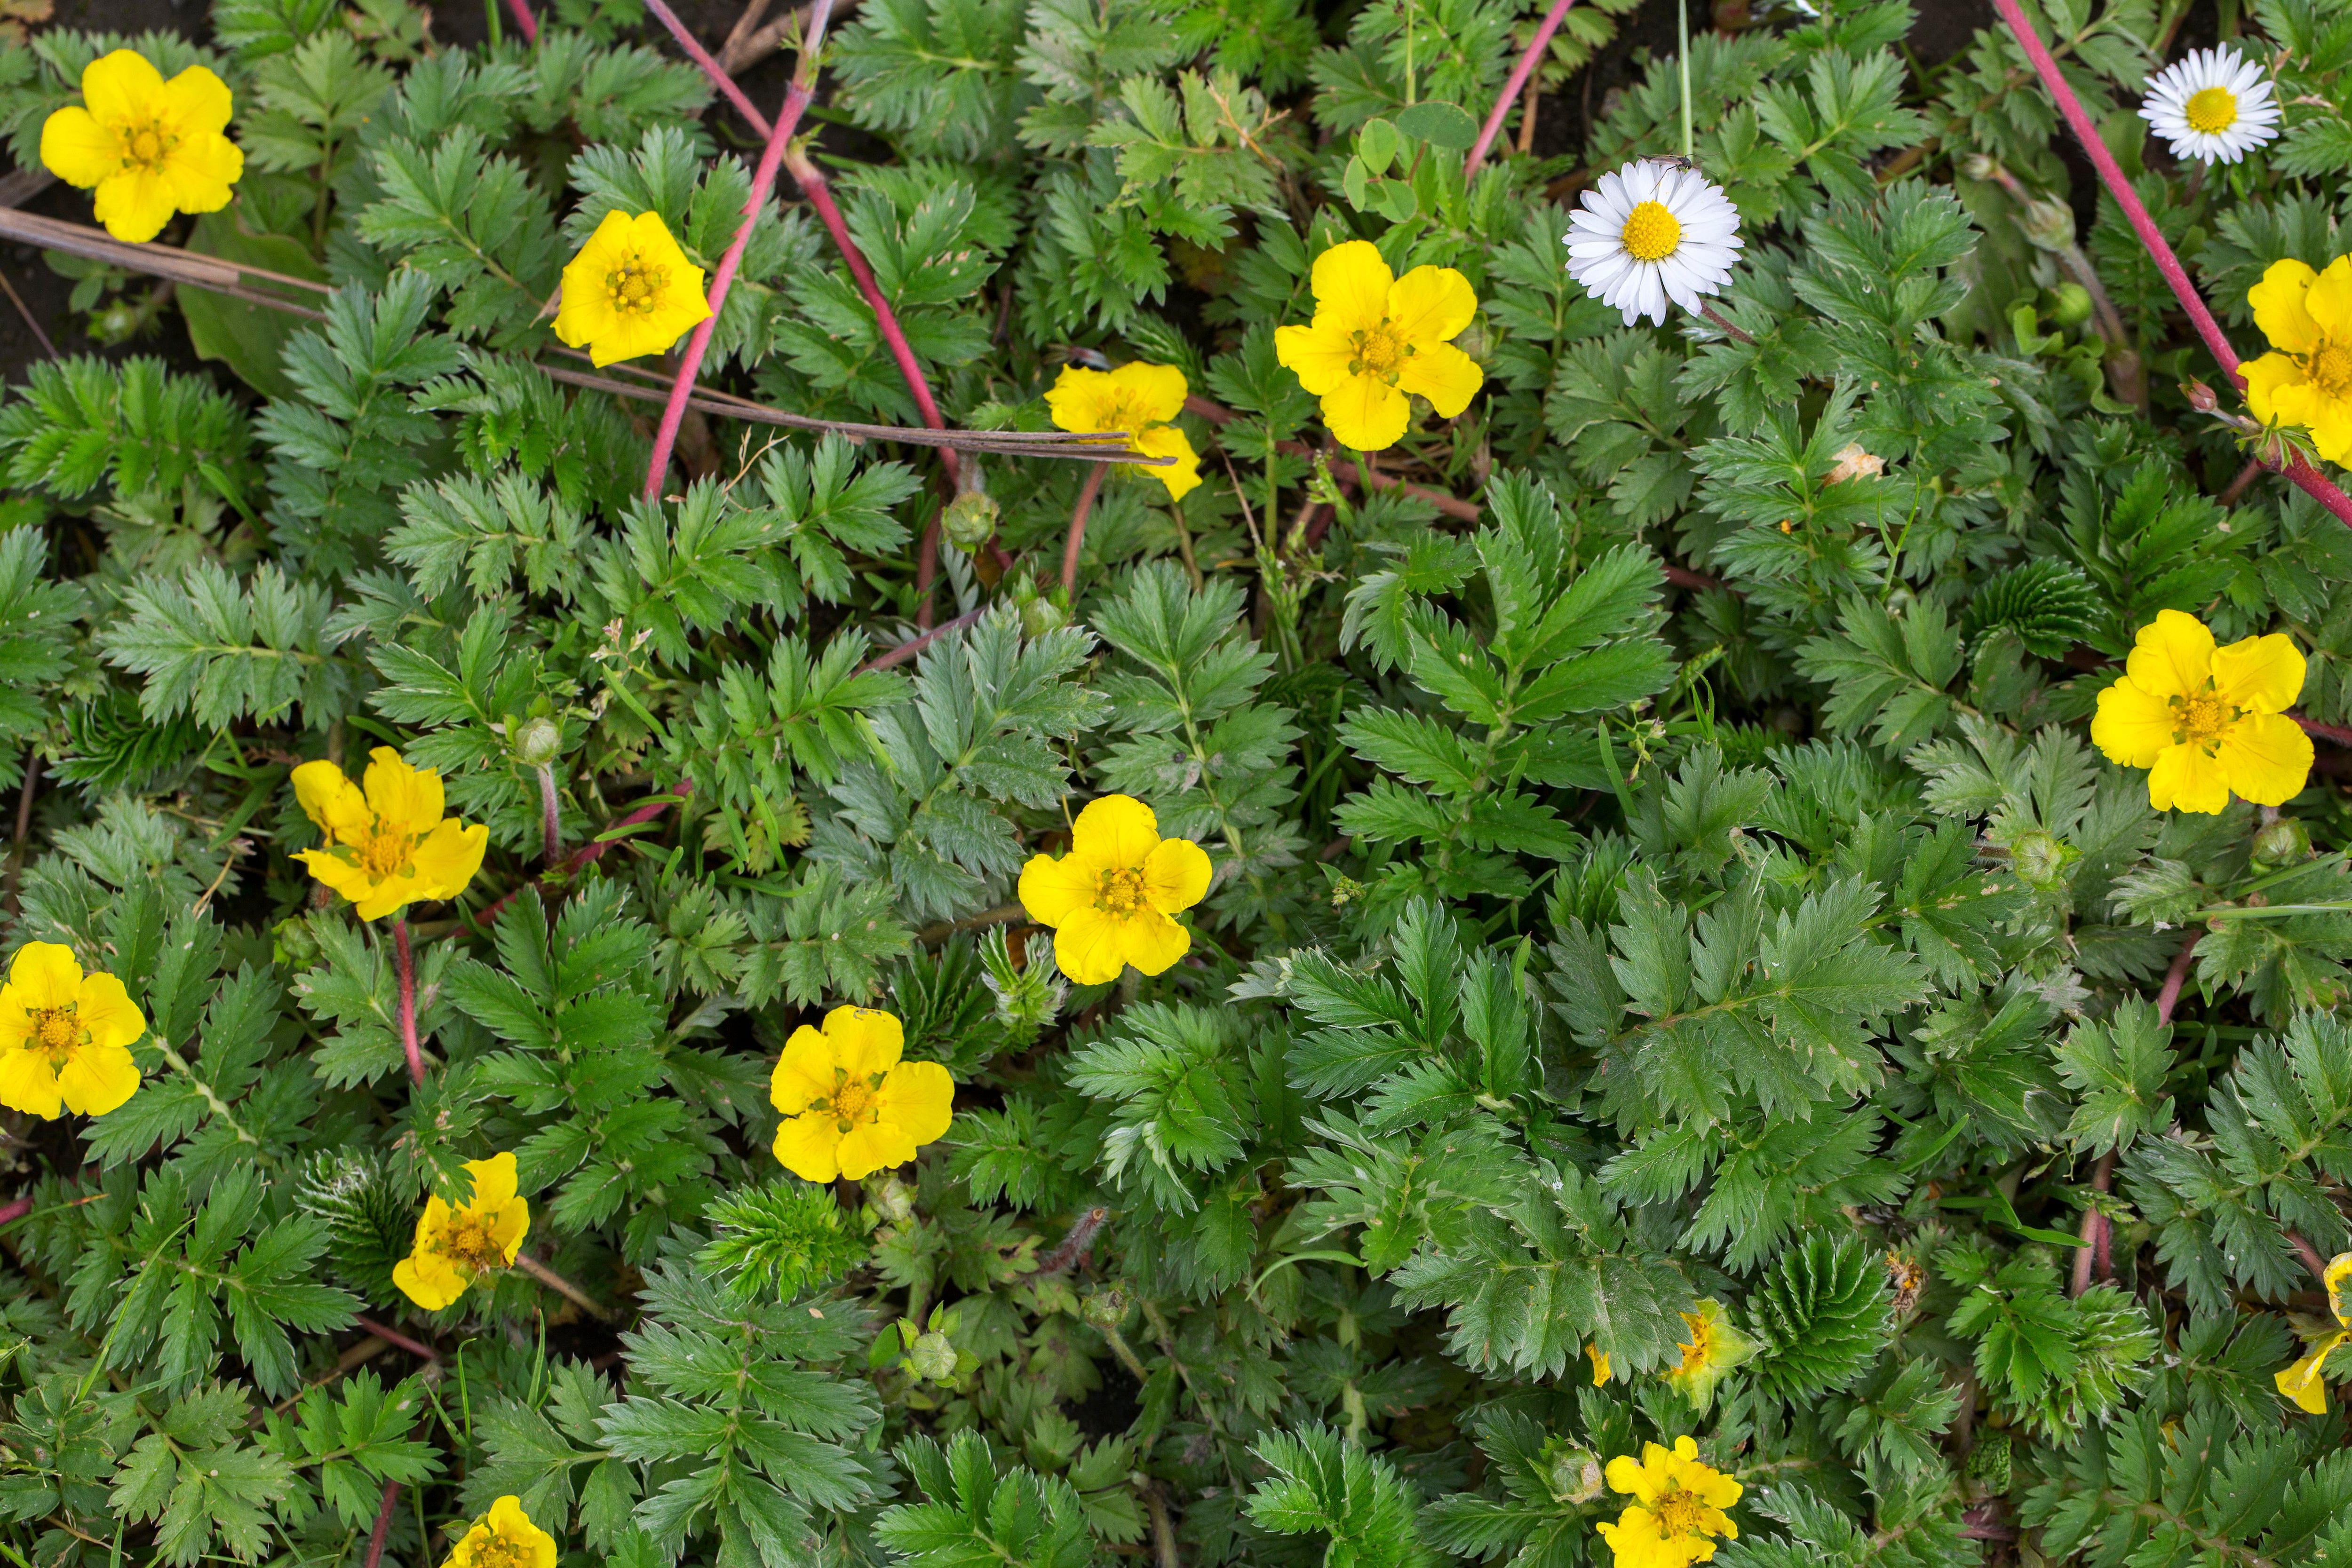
x=2047 y=224
x=1979 y=166
x=1042 y=615
x=2283 y=843
x=932 y=1357
x=1106 y=1308
x=538 y=742
x=970 y=520
x=893 y=1200
x=2041 y=859
x=2200 y=396
x=2070 y=305
x=1574 y=1474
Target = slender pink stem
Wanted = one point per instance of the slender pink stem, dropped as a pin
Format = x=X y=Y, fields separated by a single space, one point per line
x=404 y=963
x=1518 y=80
x=590 y=852
x=2313 y=482
x=390 y=1494
x=394 y=1337
x=1077 y=538
x=2330 y=732
x=16 y=1210
x=524 y=22
x=771 y=158
x=2174 y=978
x=914 y=645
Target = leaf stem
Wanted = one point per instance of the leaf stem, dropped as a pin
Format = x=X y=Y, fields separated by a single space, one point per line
x=1529 y=58
x=1077 y=541
x=403 y=963
x=551 y=825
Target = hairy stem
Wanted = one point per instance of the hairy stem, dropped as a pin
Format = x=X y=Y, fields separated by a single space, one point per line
x=1529 y=59
x=1077 y=541
x=404 y=963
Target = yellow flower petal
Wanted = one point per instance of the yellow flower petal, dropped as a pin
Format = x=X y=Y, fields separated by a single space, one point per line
x=1599 y=1366
x=494 y=1182
x=2172 y=656
x=1430 y=304
x=121 y=86
x=404 y=799
x=430 y=1280
x=77 y=149
x=1116 y=830
x=2339 y=1271
x=803 y=1074
x=449 y=856
x=1351 y=286
x=919 y=1097
x=97 y=1079
x=873 y=1146
x=200 y=173
x=133 y=204
x=2267 y=380
x=2261 y=674
x=106 y=1010
x=2132 y=727
x=1081 y=400
x=1176 y=875
x=2184 y=778
x=1183 y=476
x=1151 y=942
x=1367 y=414
x=1051 y=888
x=1443 y=375
x=1625 y=1474
x=2279 y=309
x=29 y=1083
x=2301 y=1381
x=198 y=103
x=1319 y=355
x=2265 y=758
x=45 y=975
x=331 y=800
x=510 y=1225
x=2328 y=302
x=1156 y=392
x=866 y=1041
x=810 y=1147
x=1086 y=947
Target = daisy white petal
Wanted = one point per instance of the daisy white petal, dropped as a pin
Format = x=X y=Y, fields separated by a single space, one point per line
x=2212 y=105
x=1651 y=231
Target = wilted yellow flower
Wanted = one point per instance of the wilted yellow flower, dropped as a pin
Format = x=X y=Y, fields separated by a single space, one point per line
x=1140 y=399
x=1377 y=338
x=2301 y=1381
x=630 y=291
x=2206 y=721
x=1677 y=1510
x=65 y=1037
x=503 y=1538
x=454 y=1246
x=149 y=147
x=851 y=1107
x=1599 y=1366
x=389 y=847
x=2307 y=316
x=1714 y=1349
x=1109 y=899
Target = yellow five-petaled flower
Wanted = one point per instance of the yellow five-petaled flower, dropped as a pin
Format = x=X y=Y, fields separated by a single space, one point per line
x=1377 y=338
x=388 y=846
x=149 y=147
x=503 y=1538
x=2301 y=1381
x=2307 y=316
x=65 y=1037
x=1109 y=899
x=1138 y=399
x=851 y=1107
x=1677 y=1507
x=630 y=291
x=2206 y=722
x=454 y=1246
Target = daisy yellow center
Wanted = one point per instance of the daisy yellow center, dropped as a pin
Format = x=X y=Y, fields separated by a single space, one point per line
x=383 y=854
x=2212 y=111
x=1680 y=1512
x=57 y=1032
x=468 y=1241
x=1120 y=893
x=636 y=285
x=143 y=147
x=1377 y=352
x=2330 y=367
x=2201 y=719
x=852 y=1101
x=1651 y=233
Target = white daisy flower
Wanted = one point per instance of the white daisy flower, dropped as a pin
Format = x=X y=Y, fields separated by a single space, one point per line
x=2212 y=105
x=1651 y=232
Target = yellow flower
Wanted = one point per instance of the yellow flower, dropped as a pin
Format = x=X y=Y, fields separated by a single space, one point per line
x=630 y=291
x=1140 y=399
x=65 y=1037
x=2301 y=1381
x=504 y=1538
x=1376 y=337
x=2307 y=316
x=455 y=1246
x=1109 y=899
x=390 y=847
x=851 y=1107
x=2206 y=721
x=150 y=147
x=1714 y=1349
x=1677 y=1508
x=1599 y=1366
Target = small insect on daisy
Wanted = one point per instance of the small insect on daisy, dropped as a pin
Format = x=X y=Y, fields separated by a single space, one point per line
x=2212 y=105
x=1653 y=231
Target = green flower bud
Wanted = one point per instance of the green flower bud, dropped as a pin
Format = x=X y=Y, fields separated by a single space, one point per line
x=2283 y=843
x=538 y=742
x=1042 y=615
x=2047 y=224
x=1978 y=166
x=932 y=1357
x=2041 y=860
x=1106 y=1308
x=2070 y=305
x=1573 y=1473
x=893 y=1200
x=970 y=520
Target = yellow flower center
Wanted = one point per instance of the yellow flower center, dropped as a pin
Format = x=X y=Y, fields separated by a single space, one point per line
x=2212 y=111
x=1651 y=233
x=1701 y=1345
x=495 y=1550
x=636 y=287
x=57 y=1032
x=1120 y=413
x=383 y=852
x=144 y=147
x=2329 y=367
x=852 y=1101
x=2200 y=720
x=467 y=1242
x=1680 y=1512
x=1119 y=893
